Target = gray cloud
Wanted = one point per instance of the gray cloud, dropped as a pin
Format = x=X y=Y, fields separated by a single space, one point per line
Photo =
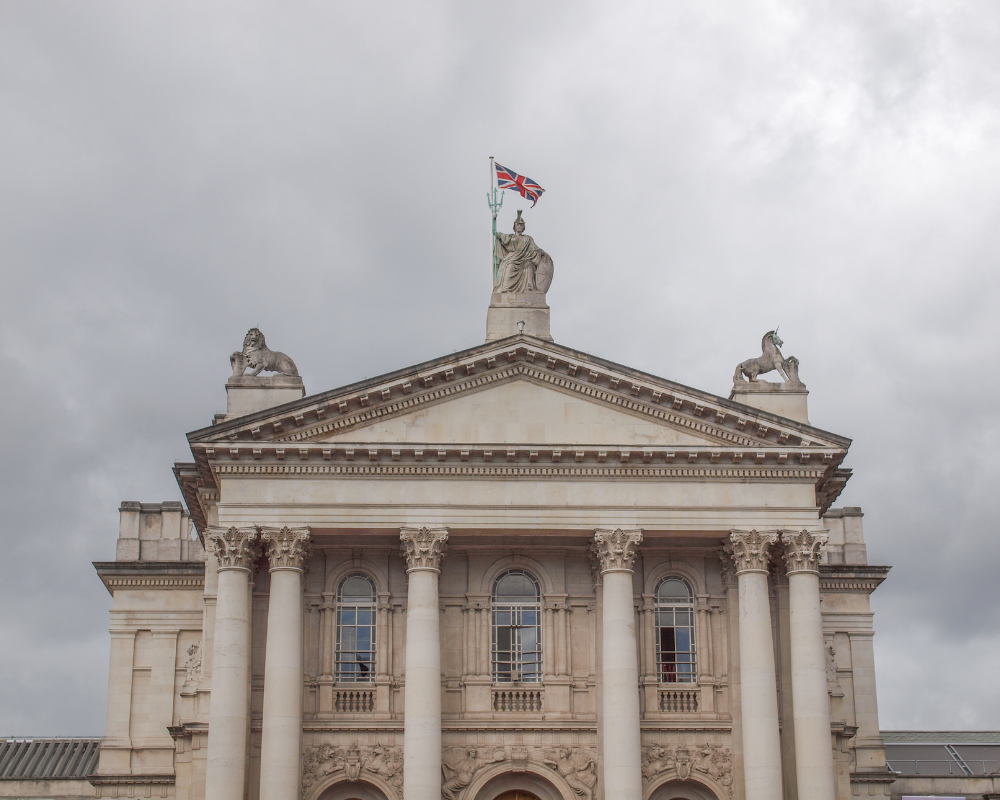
x=173 y=173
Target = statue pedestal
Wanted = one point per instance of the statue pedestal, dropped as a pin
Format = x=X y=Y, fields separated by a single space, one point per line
x=509 y=308
x=247 y=395
x=784 y=399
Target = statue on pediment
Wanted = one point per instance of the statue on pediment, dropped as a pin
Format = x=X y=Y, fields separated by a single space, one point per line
x=256 y=355
x=770 y=359
x=524 y=266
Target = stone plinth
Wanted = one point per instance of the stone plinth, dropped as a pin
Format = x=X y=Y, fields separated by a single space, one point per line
x=508 y=308
x=246 y=394
x=784 y=399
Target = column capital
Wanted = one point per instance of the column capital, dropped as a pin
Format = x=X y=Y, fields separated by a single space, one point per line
x=751 y=549
x=235 y=548
x=286 y=548
x=802 y=550
x=614 y=549
x=423 y=548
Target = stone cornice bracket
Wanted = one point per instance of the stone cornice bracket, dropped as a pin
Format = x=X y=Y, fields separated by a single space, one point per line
x=423 y=548
x=613 y=550
x=286 y=548
x=751 y=549
x=235 y=548
x=802 y=550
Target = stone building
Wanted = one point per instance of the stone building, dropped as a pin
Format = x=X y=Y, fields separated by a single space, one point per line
x=518 y=571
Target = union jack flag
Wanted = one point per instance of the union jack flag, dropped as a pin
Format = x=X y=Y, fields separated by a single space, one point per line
x=508 y=179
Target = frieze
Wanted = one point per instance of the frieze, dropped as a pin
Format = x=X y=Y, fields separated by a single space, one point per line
x=683 y=761
x=386 y=762
x=459 y=766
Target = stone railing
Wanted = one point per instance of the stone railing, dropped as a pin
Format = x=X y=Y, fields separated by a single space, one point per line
x=354 y=701
x=679 y=701
x=517 y=700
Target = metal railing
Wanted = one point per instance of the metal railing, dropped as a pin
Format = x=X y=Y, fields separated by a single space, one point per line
x=939 y=767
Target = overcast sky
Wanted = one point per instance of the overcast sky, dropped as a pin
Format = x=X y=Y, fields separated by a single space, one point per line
x=172 y=174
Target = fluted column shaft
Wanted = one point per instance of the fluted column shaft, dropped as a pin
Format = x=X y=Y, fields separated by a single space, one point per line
x=236 y=551
x=423 y=549
x=814 y=769
x=614 y=551
x=281 y=728
x=761 y=741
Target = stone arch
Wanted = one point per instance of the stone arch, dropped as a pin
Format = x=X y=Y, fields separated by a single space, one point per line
x=694 y=578
x=339 y=787
x=366 y=567
x=544 y=783
x=518 y=561
x=671 y=787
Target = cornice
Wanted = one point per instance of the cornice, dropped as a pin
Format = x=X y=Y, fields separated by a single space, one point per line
x=851 y=577
x=158 y=574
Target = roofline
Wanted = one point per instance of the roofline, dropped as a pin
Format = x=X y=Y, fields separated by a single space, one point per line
x=541 y=344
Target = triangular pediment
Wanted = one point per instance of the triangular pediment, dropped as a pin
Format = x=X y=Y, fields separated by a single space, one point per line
x=520 y=410
x=519 y=390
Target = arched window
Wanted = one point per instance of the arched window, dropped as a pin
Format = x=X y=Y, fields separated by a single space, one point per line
x=517 y=628
x=675 y=650
x=356 y=629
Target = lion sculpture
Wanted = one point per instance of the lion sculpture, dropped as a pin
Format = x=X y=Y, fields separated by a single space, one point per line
x=770 y=359
x=257 y=356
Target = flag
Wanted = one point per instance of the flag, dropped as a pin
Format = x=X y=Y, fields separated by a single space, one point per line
x=508 y=179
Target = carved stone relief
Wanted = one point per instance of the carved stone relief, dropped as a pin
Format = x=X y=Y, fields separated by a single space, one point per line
x=193 y=664
x=685 y=761
x=386 y=762
x=460 y=765
x=576 y=765
x=235 y=548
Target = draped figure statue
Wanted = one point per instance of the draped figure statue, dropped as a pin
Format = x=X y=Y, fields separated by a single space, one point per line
x=524 y=266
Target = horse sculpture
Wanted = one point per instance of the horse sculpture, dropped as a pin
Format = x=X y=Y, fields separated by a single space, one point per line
x=770 y=359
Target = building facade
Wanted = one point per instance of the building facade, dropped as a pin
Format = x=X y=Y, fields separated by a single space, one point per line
x=518 y=571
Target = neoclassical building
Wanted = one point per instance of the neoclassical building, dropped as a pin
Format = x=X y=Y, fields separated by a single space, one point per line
x=516 y=572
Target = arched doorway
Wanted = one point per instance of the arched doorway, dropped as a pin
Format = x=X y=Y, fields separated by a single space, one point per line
x=518 y=794
x=683 y=790
x=518 y=786
x=353 y=790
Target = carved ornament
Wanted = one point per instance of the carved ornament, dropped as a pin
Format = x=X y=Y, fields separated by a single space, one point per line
x=683 y=761
x=769 y=359
x=614 y=550
x=578 y=767
x=751 y=549
x=459 y=766
x=423 y=548
x=386 y=762
x=802 y=550
x=256 y=355
x=235 y=548
x=728 y=565
x=287 y=548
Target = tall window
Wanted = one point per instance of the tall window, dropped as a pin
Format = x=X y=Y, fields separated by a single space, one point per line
x=517 y=628
x=356 y=629
x=675 y=651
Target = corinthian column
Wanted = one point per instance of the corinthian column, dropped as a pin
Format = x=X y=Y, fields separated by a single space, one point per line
x=761 y=743
x=810 y=702
x=281 y=730
x=236 y=550
x=422 y=548
x=614 y=553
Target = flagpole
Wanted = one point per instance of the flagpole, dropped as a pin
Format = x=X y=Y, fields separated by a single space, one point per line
x=494 y=200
